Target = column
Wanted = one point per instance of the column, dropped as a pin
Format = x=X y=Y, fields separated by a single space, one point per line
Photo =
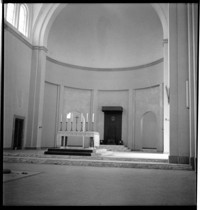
x=36 y=97
x=192 y=82
x=166 y=99
x=178 y=65
x=130 y=144
x=195 y=59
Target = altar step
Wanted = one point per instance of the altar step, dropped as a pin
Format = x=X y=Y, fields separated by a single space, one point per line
x=101 y=158
x=114 y=148
x=69 y=151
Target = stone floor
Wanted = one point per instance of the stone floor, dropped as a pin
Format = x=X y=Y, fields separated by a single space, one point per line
x=64 y=185
x=105 y=156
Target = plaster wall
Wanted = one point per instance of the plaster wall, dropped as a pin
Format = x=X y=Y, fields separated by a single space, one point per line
x=100 y=79
x=17 y=67
x=113 y=98
x=76 y=100
x=104 y=35
x=49 y=115
x=102 y=87
x=148 y=100
x=178 y=60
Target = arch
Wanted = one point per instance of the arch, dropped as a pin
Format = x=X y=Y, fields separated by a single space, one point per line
x=161 y=14
x=43 y=24
x=149 y=130
x=48 y=14
x=23 y=19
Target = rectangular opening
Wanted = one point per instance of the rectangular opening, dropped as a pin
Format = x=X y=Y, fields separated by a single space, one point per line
x=18 y=132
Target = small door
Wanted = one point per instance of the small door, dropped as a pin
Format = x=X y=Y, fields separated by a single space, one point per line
x=112 y=127
x=18 y=133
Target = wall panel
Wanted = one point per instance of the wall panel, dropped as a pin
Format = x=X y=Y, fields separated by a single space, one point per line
x=113 y=98
x=49 y=115
x=148 y=100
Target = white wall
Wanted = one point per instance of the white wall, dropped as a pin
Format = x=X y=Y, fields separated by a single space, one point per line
x=106 y=35
x=148 y=100
x=113 y=98
x=91 y=78
x=17 y=66
x=50 y=115
x=87 y=90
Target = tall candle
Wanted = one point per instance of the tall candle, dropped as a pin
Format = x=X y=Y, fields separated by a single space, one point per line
x=81 y=117
x=72 y=117
x=93 y=117
x=87 y=117
x=61 y=118
x=66 y=118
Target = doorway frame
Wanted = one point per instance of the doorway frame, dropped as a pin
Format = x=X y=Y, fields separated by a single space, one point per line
x=113 y=109
x=13 y=131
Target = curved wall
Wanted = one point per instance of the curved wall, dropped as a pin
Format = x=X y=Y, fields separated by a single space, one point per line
x=117 y=79
x=99 y=87
x=106 y=35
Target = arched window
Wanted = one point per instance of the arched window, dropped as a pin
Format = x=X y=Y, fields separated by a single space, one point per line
x=23 y=18
x=10 y=13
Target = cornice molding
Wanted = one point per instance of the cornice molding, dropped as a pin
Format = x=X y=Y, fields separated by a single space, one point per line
x=22 y=39
x=14 y=32
x=104 y=69
x=40 y=48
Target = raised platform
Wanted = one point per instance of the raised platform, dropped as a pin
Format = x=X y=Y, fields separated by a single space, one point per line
x=70 y=151
x=102 y=157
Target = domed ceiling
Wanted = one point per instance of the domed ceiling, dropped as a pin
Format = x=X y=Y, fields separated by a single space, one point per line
x=106 y=35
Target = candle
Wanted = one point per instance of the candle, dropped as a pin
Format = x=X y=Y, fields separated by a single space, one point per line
x=66 y=118
x=87 y=117
x=72 y=117
x=81 y=117
x=61 y=118
x=93 y=117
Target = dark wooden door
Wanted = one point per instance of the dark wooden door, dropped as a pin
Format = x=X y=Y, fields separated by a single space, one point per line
x=18 y=133
x=112 y=127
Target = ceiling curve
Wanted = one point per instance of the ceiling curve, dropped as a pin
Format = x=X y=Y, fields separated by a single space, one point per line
x=106 y=35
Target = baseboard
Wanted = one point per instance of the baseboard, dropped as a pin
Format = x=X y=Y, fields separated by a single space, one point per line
x=7 y=148
x=179 y=159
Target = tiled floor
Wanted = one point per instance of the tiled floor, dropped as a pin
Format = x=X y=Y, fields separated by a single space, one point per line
x=63 y=185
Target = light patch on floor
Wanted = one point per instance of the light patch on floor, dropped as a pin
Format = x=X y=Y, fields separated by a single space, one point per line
x=137 y=155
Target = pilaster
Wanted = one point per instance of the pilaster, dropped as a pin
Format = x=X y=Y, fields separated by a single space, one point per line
x=36 y=97
x=166 y=99
x=178 y=65
x=130 y=120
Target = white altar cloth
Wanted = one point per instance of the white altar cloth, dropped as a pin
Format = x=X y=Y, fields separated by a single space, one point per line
x=78 y=139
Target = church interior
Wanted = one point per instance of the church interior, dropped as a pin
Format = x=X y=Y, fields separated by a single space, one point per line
x=97 y=75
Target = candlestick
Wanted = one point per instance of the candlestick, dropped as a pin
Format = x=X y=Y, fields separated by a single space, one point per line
x=81 y=126
x=93 y=117
x=81 y=117
x=76 y=122
x=87 y=117
x=72 y=117
x=71 y=126
x=86 y=128
x=60 y=126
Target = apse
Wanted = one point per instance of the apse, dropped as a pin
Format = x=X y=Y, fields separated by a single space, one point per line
x=106 y=35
